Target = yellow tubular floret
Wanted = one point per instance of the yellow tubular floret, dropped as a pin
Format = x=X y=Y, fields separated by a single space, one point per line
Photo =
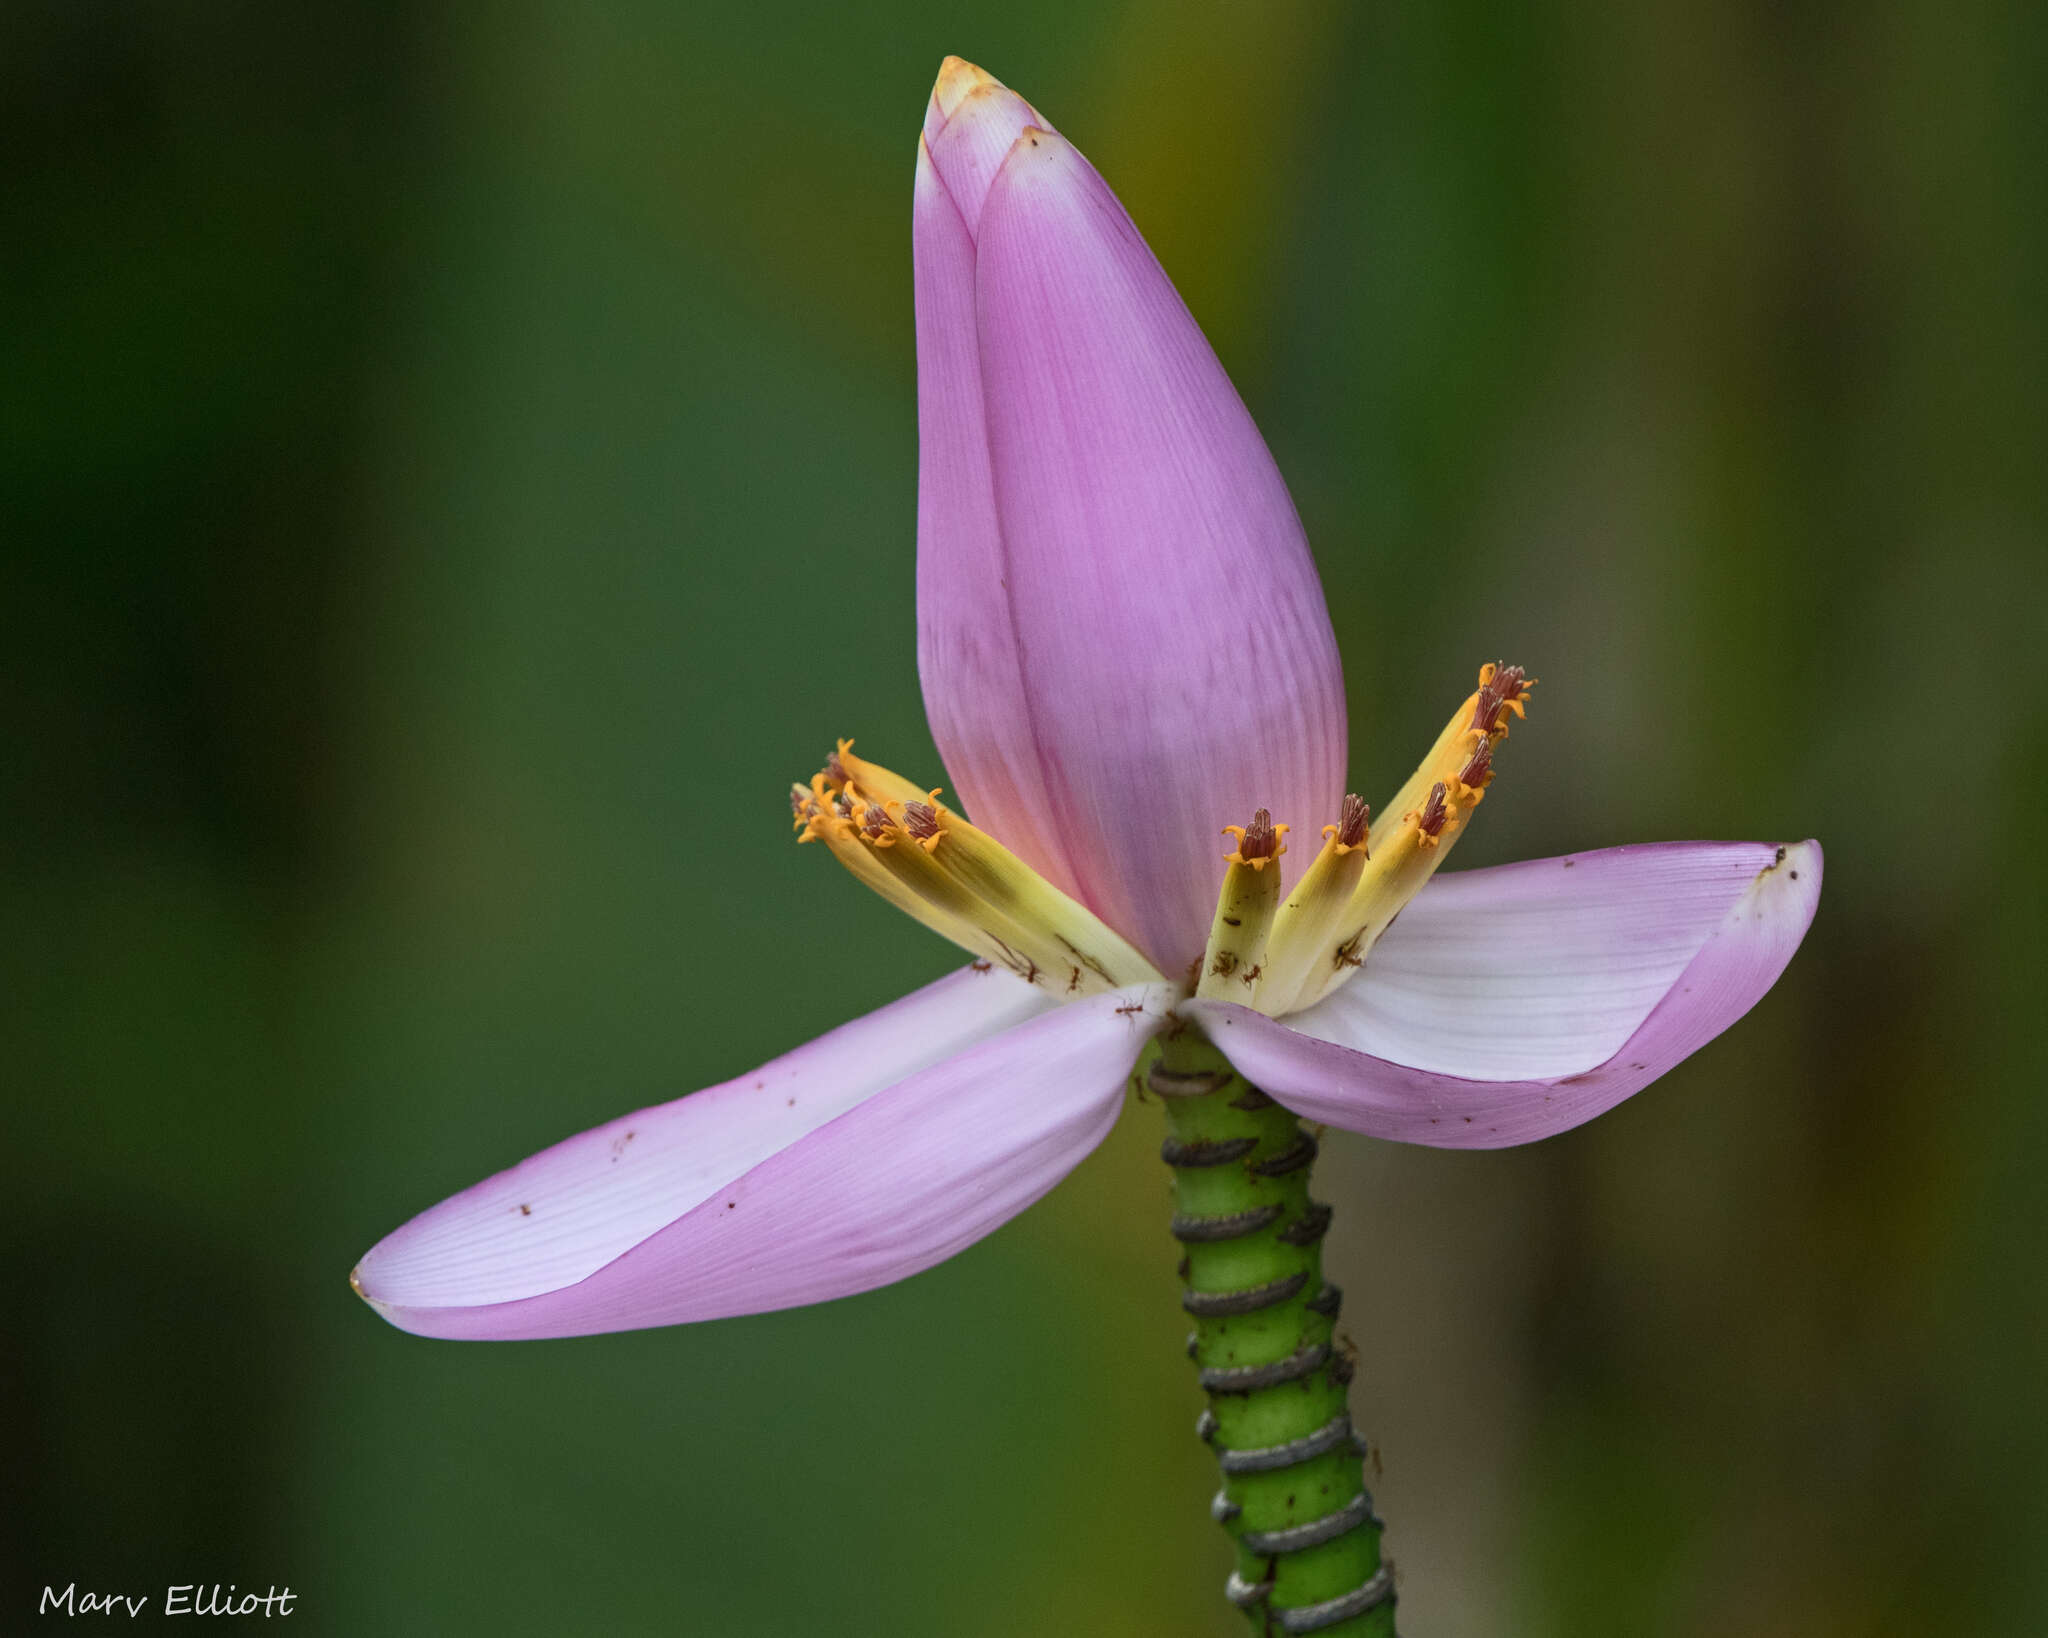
x=959 y=881
x=1312 y=920
x=833 y=818
x=1415 y=835
x=1235 y=959
x=874 y=780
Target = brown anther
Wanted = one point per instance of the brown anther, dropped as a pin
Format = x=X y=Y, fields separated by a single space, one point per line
x=1479 y=770
x=1501 y=687
x=803 y=811
x=842 y=805
x=1435 y=814
x=835 y=770
x=1260 y=840
x=875 y=823
x=1352 y=820
x=921 y=819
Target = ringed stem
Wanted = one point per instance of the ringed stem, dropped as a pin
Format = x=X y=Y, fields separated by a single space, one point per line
x=1294 y=1500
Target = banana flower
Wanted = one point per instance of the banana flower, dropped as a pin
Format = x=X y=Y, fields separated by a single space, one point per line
x=1125 y=655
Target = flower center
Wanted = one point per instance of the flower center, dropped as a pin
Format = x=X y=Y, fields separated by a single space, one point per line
x=1277 y=953
x=1299 y=950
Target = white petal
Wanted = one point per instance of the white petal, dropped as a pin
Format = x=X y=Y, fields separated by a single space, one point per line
x=1536 y=970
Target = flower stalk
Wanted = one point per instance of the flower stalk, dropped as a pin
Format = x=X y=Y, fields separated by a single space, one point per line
x=1277 y=1376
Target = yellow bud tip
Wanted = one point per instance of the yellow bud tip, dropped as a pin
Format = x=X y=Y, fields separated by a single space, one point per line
x=958 y=80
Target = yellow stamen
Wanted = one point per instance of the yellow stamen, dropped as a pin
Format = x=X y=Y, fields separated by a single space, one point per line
x=1412 y=837
x=833 y=823
x=1235 y=959
x=1312 y=921
x=962 y=883
x=803 y=807
x=921 y=819
x=874 y=781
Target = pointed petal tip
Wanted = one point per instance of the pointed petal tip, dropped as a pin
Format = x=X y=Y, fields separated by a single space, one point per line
x=958 y=78
x=1804 y=856
x=355 y=1283
x=1035 y=148
x=1786 y=891
x=971 y=144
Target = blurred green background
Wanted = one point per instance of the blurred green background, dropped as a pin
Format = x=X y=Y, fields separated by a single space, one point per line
x=459 y=465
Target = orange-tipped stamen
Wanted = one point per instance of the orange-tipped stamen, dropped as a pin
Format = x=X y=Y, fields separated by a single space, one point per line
x=961 y=882
x=1234 y=962
x=1418 y=828
x=1313 y=918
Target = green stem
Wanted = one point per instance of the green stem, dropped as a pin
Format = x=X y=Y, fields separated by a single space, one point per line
x=1294 y=1497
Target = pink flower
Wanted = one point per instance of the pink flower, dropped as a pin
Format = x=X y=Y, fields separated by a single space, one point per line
x=1124 y=650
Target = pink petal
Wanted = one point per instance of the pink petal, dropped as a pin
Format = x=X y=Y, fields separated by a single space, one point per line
x=1178 y=664
x=976 y=140
x=966 y=643
x=875 y=1151
x=1506 y=1005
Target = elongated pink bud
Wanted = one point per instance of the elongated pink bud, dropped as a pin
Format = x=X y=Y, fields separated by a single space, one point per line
x=1105 y=547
